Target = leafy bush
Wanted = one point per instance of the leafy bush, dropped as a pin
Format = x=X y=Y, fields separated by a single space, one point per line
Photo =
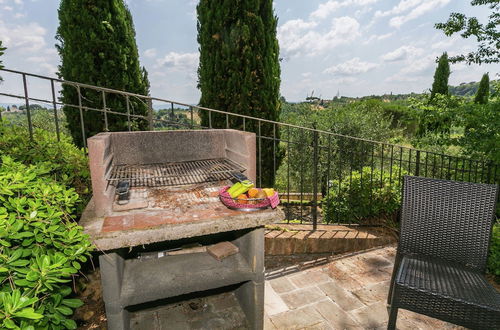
x=494 y=257
x=40 y=118
x=41 y=248
x=363 y=195
x=67 y=164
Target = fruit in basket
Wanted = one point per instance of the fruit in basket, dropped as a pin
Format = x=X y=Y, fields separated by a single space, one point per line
x=261 y=195
x=269 y=191
x=253 y=192
x=242 y=199
x=240 y=188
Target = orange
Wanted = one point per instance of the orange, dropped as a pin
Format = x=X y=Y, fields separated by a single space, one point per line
x=242 y=199
x=253 y=192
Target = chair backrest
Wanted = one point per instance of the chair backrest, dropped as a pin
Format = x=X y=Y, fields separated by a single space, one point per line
x=447 y=219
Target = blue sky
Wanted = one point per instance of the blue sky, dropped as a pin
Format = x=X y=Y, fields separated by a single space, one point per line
x=354 y=47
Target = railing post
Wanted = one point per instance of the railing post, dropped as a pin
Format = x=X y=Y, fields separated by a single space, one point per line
x=150 y=114
x=128 y=112
x=488 y=175
x=106 y=127
x=192 y=120
x=82 y=123
x=417 y=163
x=54 y=105
x=27 y=103
x=315 y=180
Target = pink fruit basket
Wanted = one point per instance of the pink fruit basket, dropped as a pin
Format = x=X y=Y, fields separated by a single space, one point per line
x=253 y=204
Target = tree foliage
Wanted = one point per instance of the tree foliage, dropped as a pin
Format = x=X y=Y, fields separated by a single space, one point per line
x=482 y=136
x=487 y=34
x=368 y=119
x=97 y=47
x=239 y=69
x=435 y=116
x=441 y=75
x=483 y=92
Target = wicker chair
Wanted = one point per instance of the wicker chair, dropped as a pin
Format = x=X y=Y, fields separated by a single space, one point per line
x=442 y=252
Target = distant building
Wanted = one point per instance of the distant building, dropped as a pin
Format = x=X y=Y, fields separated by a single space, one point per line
x=13 y=108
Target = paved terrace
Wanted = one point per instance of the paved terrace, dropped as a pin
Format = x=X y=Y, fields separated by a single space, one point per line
x=347 y=293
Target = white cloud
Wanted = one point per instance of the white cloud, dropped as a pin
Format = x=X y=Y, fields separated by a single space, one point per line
x=8 y=8
x=151 y=52
x=18 y=2
x=180 y=61
x=27 y=37
x=421 y=9
x=445 y=44
x=402 y=53
x=401 y=7
x=351 y=68
x=298 y=37
x=326 y=9
x=420 y=64
x=378 y=37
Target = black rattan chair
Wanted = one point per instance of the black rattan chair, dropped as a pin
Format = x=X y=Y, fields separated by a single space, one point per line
x=441 y=258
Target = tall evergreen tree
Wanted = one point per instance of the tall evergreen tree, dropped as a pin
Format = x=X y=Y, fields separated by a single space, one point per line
x=440 y=84
x=239 y=69
x=483 y=91
x=97 y=47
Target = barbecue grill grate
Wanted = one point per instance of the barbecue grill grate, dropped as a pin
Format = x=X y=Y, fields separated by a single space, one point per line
x=173 y=174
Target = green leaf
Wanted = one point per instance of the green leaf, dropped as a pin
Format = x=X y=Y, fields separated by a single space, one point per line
x=25 y=301
x=3 y=270
x=22 y=282
x=73 y=303
x=28 y=313
x=69 y=323
x=32 y=276
x=64 y=310
x=9 y=324
x=16 y=255
x=4 y=243
x=19 y=263
x=65 y=290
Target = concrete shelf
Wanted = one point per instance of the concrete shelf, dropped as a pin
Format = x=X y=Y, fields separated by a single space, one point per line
x=154 y=279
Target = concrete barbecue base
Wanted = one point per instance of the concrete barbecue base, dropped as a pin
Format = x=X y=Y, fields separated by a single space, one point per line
x=181 y=217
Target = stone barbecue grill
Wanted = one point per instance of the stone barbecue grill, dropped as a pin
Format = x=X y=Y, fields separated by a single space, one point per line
x=155 y=268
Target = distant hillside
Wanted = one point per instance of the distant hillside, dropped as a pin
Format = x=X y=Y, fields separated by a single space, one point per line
x=465 y=89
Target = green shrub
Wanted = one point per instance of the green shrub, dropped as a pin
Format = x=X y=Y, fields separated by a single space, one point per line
x=67 y=164
x=494 y=257
x=363 y=195
x=41 y=248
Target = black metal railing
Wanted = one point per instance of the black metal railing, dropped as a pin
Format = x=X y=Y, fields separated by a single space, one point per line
x=322 y=177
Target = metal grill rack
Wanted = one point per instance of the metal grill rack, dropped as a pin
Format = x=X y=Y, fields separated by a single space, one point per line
x=173 y=174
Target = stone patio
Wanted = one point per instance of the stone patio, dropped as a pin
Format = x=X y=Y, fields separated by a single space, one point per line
x=349 y=292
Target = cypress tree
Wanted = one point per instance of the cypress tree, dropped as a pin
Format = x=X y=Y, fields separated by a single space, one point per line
x=97 y=47
x=483 y=91
x=440 y=84
x=239 y=70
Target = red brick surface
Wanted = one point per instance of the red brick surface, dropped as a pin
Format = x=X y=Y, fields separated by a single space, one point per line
x=222 y=250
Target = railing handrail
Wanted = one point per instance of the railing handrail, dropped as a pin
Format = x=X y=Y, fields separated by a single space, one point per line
x=152 y=98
